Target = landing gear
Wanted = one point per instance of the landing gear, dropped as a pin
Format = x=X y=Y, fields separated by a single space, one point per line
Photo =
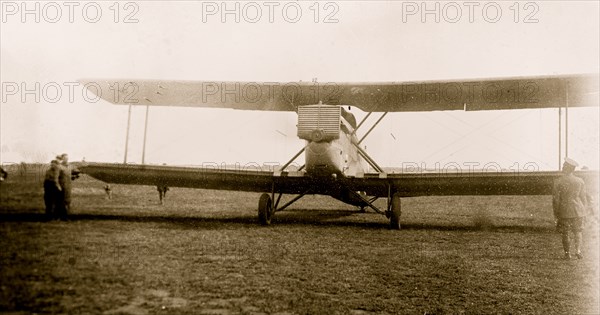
x=265 y=209
x=395 y=212
x=268 y=205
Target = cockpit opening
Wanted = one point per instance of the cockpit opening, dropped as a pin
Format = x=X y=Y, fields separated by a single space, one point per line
x=349 y=117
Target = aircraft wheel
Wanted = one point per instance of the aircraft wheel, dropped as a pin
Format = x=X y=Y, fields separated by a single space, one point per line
x=396 y=212
x=265 y=209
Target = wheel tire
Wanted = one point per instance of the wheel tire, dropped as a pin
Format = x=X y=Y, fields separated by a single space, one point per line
x=265 y=209
x=396 y=213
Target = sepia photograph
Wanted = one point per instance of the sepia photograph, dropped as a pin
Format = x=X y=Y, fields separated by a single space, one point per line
x=299 y=157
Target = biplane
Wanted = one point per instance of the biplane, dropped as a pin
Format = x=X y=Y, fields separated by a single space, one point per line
x=335 y=163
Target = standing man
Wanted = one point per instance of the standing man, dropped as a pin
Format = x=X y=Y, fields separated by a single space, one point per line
x=108 y=191
x=569 y=205
x=65 y=177
x=52 y=190
x=3 y=174
x=162 y=193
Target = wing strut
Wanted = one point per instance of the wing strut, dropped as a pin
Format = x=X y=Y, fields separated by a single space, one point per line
x=559 y=137
x=567 y=121
x=127 y=134
x=361 y=122
x=566 y=128
x=367 y=158
x=292 y=160
x=145 y=133
x=372 y=127
x=362 y=152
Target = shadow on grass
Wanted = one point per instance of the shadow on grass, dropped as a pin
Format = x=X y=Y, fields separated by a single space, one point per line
x=287 y=218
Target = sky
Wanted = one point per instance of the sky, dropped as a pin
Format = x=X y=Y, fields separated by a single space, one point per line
x=283 y=41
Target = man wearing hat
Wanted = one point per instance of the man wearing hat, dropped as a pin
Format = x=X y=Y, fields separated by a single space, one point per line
x=66 y=175
x=52 y=189
x=569 y=204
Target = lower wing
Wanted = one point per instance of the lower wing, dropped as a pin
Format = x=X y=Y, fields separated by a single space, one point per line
x=466 y=183
x=194 y=177
x=406 y=185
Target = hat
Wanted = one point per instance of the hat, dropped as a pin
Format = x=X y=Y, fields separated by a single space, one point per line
x=571 y=162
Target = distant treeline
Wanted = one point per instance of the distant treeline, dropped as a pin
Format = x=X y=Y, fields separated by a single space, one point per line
x=23 y=169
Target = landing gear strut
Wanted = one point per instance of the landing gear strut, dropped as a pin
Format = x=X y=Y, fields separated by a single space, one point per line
x=267 y=205
x=393 y=211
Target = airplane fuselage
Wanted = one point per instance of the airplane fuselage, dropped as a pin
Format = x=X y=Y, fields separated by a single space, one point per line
x=338 y=156
x=331 y=156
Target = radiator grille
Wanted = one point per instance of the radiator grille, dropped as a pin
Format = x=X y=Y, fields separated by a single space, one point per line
x=325 y=118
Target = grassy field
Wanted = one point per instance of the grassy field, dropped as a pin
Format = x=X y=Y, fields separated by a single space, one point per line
x=203 y=252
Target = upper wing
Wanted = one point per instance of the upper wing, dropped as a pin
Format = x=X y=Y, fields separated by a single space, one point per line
x=470 y=183
x=483 y=94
